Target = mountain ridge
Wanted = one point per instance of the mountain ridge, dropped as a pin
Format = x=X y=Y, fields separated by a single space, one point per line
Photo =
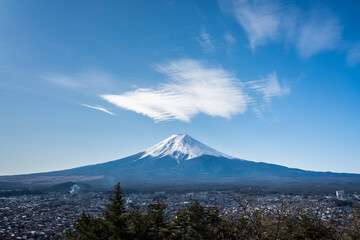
x=182 y=159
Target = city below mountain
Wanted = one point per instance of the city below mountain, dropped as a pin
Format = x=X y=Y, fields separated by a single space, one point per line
x=182 y=160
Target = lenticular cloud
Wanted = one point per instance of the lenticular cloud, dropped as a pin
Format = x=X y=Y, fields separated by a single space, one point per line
x=191 y=88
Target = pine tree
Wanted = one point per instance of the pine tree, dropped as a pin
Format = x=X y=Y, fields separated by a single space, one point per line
x=116 y=216
x=196 y=222
x=158 y=221
x=138 y=223
x=89 y=228
x=180 y=226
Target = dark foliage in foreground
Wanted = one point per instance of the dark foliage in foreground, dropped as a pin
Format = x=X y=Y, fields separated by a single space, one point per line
x=197 y=222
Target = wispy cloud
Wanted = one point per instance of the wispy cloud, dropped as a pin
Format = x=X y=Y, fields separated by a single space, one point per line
x=193 y=87
x=321 y=32
x=259 y=20
x=87 y=80
x=269 y=87
x=266 y=21
x=63 y=81
x=265 y=89
x=206 y=42
x=229 y=38
x=98 y=108
x=353 y=55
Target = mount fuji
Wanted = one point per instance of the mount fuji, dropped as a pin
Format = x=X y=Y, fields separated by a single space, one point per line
x=181 y=147
x=180 y=159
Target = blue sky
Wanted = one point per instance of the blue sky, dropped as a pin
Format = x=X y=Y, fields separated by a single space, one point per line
x=84 y=82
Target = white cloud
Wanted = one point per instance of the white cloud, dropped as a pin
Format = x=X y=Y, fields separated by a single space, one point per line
x=318 y=34
x=206 y=42
x=353 y=55
x=192 y=88
x=269 y=87
x=98 y=108
x=266 y=21
x=259 y=20
x=264 y=90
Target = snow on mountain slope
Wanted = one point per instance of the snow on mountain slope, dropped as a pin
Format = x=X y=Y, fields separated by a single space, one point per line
x=181 y=147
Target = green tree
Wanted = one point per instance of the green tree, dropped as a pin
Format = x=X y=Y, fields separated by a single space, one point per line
x=353 y=231
x=89 y=228
x=157 y=219
x=138 y=224
x=180 y=226
x=196 y=222
x=113 y=226
x=115 y=214
x=307 y=226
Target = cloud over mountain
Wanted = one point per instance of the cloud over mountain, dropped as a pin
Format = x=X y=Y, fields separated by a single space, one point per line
x=193 y=87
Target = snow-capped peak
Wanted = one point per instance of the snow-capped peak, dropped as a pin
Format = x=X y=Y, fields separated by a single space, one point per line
x=181 y=147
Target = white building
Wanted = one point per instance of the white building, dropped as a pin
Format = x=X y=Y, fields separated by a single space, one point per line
x=340 y=195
